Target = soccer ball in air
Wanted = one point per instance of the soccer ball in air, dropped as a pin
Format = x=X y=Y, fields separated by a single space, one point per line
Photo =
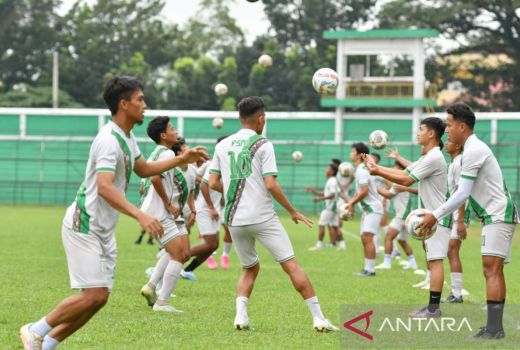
x=415 y=218
x=346 y=169
x=218 y=123
x=265 y=61
x=221 y=89
x=344 y=214
x=325 y=81
x=378 y=139
x=297 y=156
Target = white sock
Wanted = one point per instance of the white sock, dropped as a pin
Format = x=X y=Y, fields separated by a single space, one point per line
x=227 y=248
x=319 y=244
x=158 y=271
x=242 y=306
x=172 y=273
x=370 y=265
x=342 y=244
x=411 y=260
x=314 y=307
x=456 y=284
x=40 y=327
x=49 y=343
x=388 y=259
x=428 y=276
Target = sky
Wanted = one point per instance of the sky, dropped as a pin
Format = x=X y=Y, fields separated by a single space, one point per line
x=249 y=16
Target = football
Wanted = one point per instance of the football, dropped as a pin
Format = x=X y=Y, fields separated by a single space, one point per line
x=325 y=81
x=346 y=169
x=265 y=61
x=344 y=214
x=378 y=139
x=218 y=123
x=297 y=156
x=221 y=89
x=412 y=220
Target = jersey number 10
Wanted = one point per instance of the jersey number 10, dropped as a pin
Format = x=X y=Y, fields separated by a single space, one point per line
x=240 y=164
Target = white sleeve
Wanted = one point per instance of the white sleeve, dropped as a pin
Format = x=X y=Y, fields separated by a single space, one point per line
x=422 y=168
x=460 y=196
x=105 y=153
x=471 y=163
x=215 y=167
x=136 y=149
x=268 y=160
x=362 y=177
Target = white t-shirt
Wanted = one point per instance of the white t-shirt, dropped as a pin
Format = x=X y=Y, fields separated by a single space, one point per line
x=190 y=177
x=431 y=174
x=371 y=203
x=331 y=187
x=200 y=202
x=489 y=197
x=243 y=159
x=111 y=151
x=147 y=182
x=402 y=203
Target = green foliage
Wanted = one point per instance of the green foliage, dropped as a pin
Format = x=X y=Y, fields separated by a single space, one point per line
x=29 y=96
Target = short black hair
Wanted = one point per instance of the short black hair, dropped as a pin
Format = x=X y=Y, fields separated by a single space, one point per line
x=377 y=156
x=221 y=138
x=250 y=106
x=399 y=164
x=336 y=161
x=177 y=146
x=119 y=88
x=360 y=147
x=461 y=112
x=437 y=125
x=156 y=127
x=334 y=168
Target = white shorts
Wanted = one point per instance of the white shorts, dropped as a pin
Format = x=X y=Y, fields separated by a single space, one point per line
x=437 y=245
x=171 y=230
x=398 y=225
x=496 y=240
x=271 y=234
x=370 y=223
x=91 y=261
x=206 y=225
x=329 y=218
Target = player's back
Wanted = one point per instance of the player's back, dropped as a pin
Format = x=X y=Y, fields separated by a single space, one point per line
x=243 y=159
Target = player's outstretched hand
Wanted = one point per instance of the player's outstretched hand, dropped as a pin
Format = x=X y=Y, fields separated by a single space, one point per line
x=150 y=225
x=297 y=217
x=392 y=153
x=195 y=154
x=370 y=163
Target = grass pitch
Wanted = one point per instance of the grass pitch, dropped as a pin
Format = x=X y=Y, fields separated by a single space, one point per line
x=35 y=278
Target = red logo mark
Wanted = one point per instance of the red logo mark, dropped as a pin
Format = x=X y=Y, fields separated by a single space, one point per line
x=366 y=317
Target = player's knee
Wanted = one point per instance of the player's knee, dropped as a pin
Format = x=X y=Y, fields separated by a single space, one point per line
x=213 y=245
x=98 y=298
x=185 y=255
x=491 y=271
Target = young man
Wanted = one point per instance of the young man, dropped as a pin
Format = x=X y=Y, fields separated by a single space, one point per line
x=369 y=202
x=89 y=223
x=482 y=182
x=343 y=197
x=460 y=222
x=139 y=240
x=329 y=215
x=246 y=163
x=402 y=202
x=430 y=171
x=383 y=184
x=163 y=201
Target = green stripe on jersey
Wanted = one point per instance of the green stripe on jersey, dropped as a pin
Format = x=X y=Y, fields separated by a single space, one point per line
x=510 y=207
x=112 y=170
x=270 y=174
x=467 y=177
x=84 y=218
x=481 y=212
x=128 y=158
x=408 y=208
x=214 y=171
x=184 y=185
x=366 y=207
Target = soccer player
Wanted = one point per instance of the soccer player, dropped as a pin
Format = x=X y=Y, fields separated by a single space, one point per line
x=89 y=223
x=329 y=215
x=343 y=197
x=430 y=171
x=458 y=230
x=381 y=183
x=245 y=161
x=372 y=210
x=482 y=182
x=164 y=201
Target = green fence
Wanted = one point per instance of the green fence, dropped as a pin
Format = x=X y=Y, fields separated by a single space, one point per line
x=43 y=156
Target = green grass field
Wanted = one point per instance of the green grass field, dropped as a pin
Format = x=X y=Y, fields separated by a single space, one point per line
x=34 y=279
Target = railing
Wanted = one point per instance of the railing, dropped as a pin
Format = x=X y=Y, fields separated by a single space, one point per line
x=386 y=90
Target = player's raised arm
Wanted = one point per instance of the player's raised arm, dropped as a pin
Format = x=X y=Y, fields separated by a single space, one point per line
x=147 y=169
x=397 y=176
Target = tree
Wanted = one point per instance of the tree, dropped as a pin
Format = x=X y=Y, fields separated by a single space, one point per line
x=485 y=26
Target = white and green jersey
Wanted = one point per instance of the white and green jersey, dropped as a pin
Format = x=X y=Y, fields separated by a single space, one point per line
x=200 y=202
x=402 y=203
x=453 y=182
x=489 y=197
x=243 y=159
x=190 y=176
x=371 y=203
x=431 y=174
x=147 y=182
x=111 y=151
x=331 y=187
